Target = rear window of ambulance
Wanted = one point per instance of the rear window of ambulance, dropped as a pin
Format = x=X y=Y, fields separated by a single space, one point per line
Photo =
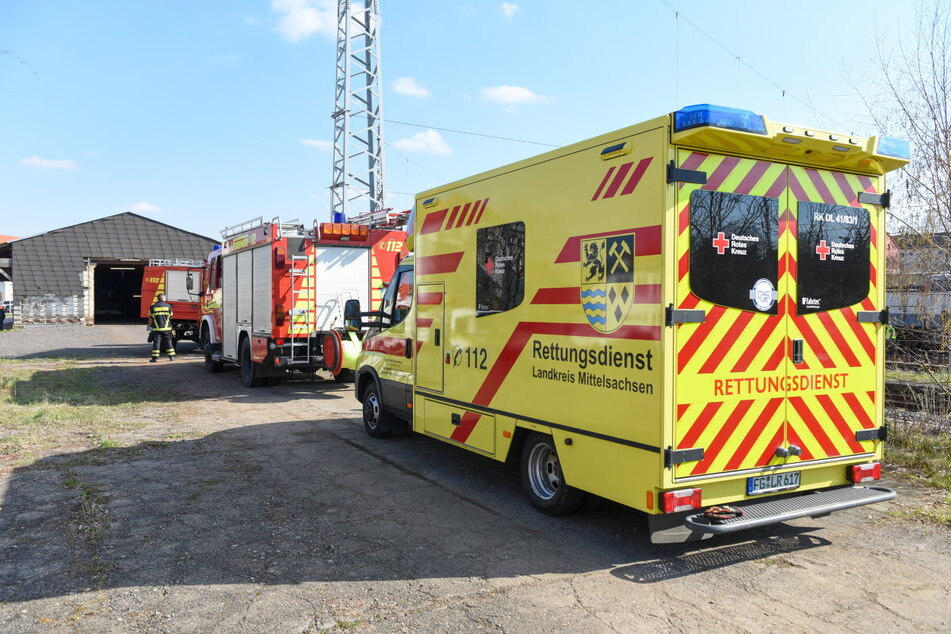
x=833 y=256
x=734 y=249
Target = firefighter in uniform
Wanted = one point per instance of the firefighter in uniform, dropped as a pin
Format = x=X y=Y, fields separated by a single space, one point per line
x=160 y=318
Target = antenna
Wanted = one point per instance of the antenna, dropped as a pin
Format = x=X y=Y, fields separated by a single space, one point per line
x=358 y=113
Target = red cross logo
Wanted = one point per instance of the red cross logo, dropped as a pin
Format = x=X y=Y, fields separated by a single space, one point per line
x=721 y=243
x=823 y=250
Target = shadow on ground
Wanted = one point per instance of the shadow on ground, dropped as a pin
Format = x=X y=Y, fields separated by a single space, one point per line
x=293 y=502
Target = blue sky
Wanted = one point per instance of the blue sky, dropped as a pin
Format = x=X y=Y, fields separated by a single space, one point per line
x=203 y=114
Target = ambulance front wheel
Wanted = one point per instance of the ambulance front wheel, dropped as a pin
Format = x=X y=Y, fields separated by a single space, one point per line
x=375 y=419
x=542 y=478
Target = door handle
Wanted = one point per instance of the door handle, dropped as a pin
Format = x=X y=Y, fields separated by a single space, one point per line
x=456 y=419
x=437 y=336
x=798 y=349
x=409 y=348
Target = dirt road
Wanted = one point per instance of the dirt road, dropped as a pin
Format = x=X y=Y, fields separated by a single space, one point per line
x=270 y=510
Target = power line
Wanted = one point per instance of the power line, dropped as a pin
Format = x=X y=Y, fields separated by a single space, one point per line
x=487 y=136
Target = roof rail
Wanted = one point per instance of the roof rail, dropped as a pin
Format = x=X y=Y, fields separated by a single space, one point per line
x=234 y=230
x=382 y=219
x=175 y=262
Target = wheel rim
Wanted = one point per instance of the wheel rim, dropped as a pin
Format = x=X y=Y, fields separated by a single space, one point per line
x=371 y=410
x=544 y=472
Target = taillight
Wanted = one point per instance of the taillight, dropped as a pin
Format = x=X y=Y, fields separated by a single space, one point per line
x=865 y=472
x=280 y=258
x=279 y=341
x=279 y=315
x=682 y=500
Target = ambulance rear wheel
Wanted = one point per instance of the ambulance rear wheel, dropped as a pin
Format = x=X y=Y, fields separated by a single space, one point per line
x=249 y=370
x=375 y=418
x=542 y=478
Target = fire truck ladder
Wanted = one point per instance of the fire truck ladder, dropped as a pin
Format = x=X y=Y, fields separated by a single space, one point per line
x=303 y=288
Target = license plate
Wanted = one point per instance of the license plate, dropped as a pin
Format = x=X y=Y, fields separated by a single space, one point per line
x=773 y=482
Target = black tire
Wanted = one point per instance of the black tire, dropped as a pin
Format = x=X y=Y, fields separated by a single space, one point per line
x=375 y=419
x=542 y=479
x=249 y=369
x=211 y=366
x=344 y=376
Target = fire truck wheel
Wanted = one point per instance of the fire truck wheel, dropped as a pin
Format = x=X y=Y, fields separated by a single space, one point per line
x=249 y=372
x=542 y=478
x=374 y=417
x=211 y=365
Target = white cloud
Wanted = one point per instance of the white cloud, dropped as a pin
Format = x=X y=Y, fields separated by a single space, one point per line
x=323 y=146
x=512 y=95
x=49 y=164
x=509 y=9
x=428 y=142
x=141 y=207
x=302 y=18
x=408 y=86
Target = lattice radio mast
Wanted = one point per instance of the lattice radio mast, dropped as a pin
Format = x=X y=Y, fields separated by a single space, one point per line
x=358 y=113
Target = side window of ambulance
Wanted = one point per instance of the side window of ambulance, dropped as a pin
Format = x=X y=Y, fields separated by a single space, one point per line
x=833 y=256
x=500 y=268
x=734 y=257
x=397 y=299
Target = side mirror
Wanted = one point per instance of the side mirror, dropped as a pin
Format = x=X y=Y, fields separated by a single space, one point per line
x=351 y=314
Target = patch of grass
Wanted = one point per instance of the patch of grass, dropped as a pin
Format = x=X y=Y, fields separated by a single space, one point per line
x=50 y=403
x=925 y=450
x=348 y=625
x=937 y=513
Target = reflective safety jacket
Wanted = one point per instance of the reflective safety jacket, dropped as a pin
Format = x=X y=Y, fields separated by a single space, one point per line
x=161 y=315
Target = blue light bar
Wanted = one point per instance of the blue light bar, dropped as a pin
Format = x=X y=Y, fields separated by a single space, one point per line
x=704 y=114
x=889 y=146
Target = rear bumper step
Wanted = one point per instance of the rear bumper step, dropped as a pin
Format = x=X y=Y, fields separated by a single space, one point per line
x=773 y=510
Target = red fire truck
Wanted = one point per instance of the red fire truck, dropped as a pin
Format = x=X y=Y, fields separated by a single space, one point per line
x=273 y=295
x=170 y=277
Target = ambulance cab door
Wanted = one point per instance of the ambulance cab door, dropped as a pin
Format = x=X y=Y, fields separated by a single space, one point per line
x=430 y=336
x=836 y=332
x=730 y=316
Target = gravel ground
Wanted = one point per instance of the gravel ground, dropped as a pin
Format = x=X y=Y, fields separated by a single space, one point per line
x=271 y=510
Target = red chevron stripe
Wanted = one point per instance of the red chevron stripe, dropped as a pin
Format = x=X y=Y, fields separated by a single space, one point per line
x=815 y=428
x=452 y=216
x=778 y=186
x=604 y=181
x=684 y=220
x=798 y=192
x=690 y=301
x=462 y=216
x=770 y=451
x=848 y=434
x=424 y=323
x=836 y=336
x=647 y=241
x=700 y=334
x=814 y=344
x=446 y=263
x=696 y=429
x=752 y=177
x=683 y=266
x=756 y=430
x=681 y=410
x=429 y=299
x=721 y=173
x=692 y=162
x=433 y=221
x=726 y=343
x=636 y=176
x=618 y=181
x=861 y=414
x=794 y=439
x=864 y=340
x=756 y=344
x=779 y=354
x=711 y=452
x=563 y=295
x=867 y=184
x=485 y=202
x=821 y=187
x=848 y=190
x=647 y=293
x=871 y=396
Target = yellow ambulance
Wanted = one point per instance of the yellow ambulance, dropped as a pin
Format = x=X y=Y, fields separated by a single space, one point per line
x=685 y=316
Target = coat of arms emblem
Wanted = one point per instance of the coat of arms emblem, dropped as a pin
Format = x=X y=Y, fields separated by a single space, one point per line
x=607 y=280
